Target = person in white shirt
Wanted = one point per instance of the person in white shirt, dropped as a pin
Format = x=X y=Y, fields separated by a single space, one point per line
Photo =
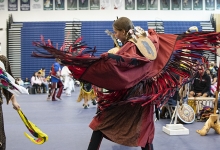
x=37 y=83
x=67 y=80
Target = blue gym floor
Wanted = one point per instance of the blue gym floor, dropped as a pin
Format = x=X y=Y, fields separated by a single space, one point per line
x=66 y=124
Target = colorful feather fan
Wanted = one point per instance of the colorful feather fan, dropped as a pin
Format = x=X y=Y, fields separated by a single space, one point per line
x=39 y=136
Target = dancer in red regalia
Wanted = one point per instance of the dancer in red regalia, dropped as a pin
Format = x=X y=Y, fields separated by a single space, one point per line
x=139 y=74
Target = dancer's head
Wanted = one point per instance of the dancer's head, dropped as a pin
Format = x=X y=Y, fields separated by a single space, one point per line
x=121 y=27
x=58 y=60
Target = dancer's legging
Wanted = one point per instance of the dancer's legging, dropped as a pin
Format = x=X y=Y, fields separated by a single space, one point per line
x=148 y=147
x=97 y=137
x=96 y=140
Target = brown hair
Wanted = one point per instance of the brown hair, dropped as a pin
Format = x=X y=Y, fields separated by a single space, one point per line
x=123 y=23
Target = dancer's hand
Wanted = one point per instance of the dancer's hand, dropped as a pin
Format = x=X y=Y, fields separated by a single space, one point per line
x=15 y=104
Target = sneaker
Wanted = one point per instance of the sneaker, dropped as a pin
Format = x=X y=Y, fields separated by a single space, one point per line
x=59 y=98
x=48 y=99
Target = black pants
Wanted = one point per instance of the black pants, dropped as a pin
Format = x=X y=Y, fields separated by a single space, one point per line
x=97 y=137
x=38 y=87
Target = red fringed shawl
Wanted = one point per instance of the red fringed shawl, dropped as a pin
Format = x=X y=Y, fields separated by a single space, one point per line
x=129 y=77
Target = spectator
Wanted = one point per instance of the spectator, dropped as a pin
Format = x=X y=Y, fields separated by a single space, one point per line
x=26 y=81
x=42 y=71
x=43 y=83
x=44 y=80
x=20 y=82
x=201 y=84
x=16 y=81
x=48 y=78
x=213 y=81
x=212 y=68
x=36 y=82
x=215 y=67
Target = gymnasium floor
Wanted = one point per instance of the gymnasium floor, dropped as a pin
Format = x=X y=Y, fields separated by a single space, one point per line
x=66 y=124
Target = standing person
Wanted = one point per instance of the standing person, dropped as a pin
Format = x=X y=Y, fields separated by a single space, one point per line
x=9 y=97
x=55 y=74
x=87 y=93
x=130 y=125
x=67 y=80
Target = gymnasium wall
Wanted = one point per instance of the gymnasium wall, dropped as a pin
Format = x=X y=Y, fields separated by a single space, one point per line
x=101 y=15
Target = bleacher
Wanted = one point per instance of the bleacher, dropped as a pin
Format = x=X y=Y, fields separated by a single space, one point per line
x=31 y=31
x=178 y=27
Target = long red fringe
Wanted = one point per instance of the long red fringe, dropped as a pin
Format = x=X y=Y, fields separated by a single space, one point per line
x=157 y=89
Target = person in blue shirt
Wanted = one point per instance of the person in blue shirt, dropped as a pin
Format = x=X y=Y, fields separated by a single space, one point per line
x=56 y=83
